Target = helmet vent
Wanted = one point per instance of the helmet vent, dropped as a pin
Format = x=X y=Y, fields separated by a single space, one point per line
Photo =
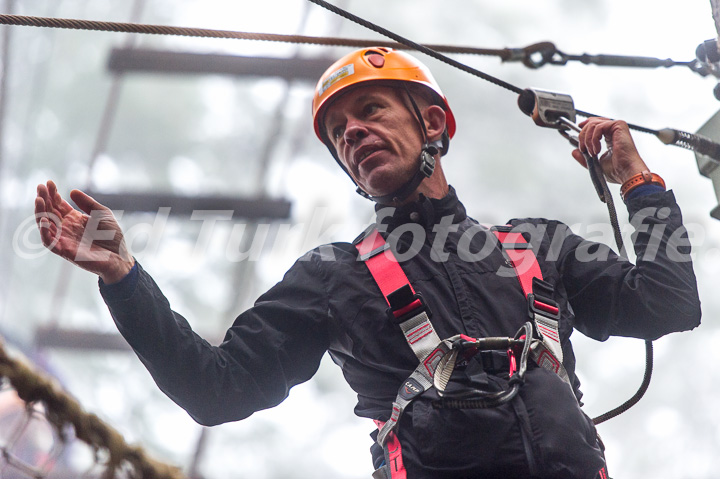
x=375 y=59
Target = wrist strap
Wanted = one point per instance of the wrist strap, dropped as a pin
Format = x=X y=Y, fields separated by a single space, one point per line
x=642 y=178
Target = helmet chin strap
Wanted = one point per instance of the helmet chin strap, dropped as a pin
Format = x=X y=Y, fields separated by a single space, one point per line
x=427 y=166
x=425 y=169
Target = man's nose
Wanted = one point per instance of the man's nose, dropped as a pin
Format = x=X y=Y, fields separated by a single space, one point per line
x=354 y=130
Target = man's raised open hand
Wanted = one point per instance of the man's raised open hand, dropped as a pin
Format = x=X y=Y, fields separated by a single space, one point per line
x=90 y=238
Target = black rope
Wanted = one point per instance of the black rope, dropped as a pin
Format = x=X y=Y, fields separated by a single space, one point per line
x=638 y=394
x=445 y=59
x=417 y=46
x=598 y=179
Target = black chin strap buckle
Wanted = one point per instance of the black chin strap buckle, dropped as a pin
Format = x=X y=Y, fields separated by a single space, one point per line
x=427 y=160
x=425 y=170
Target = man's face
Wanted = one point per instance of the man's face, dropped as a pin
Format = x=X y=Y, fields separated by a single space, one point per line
x=376 y=137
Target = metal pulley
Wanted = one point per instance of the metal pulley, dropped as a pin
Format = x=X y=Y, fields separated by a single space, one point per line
x=546 y=108
x=557 y=110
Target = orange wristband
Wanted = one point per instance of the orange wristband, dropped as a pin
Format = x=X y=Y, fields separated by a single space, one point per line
x=642 y=178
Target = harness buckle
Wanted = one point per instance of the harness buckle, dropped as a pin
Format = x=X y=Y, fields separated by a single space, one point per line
x=540 y=300
x=405 y=304
x=543 y=306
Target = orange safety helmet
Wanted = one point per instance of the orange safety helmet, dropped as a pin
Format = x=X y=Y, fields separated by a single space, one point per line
x=378 y=64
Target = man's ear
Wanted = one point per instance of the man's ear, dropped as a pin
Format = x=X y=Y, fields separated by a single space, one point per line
x=434 y=117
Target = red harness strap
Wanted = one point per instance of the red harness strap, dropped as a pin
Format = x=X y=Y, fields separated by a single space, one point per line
x=393 y=455
x=525 y=263
x=419 y=334
x=545 y=315
x=521 y=256
x=385 y=269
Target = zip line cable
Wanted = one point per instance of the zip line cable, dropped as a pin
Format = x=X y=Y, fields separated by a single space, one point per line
x=532 y=56
x=547 y=52
x=505 y=54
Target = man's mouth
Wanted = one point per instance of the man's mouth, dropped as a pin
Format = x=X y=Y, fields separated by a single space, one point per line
x=364 y=153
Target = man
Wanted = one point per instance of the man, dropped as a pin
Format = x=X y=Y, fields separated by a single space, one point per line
x=386 y=122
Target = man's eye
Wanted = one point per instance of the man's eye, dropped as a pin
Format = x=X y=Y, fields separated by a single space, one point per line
x=371 y=108
x=337 y=132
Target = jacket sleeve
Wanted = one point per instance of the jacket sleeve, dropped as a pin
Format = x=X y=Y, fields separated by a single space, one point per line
x=658 y=295
x=271 y=347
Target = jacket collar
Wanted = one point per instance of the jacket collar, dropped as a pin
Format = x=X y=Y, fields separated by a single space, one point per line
x=426 y=212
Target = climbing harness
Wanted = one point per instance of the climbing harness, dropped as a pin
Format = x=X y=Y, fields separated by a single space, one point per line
x=538 y=339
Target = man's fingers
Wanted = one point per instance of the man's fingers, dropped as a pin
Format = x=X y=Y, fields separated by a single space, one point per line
x=85 y=202
x=585 y=137
x=45 y=234
x=52 y=188
x=54 y=196
x=39 y=209
x=598 y=133
x=593 y=131
x=44 y=195
x=52 y=201
x=62 y=206
x=48 y=232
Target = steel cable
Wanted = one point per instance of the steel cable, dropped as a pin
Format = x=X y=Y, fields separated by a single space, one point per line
x=417 y=46
x=432 y=50
x=125 y=27
x=443 y=58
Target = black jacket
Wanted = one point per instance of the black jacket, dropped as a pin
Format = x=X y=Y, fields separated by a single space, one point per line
x=328 y=301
